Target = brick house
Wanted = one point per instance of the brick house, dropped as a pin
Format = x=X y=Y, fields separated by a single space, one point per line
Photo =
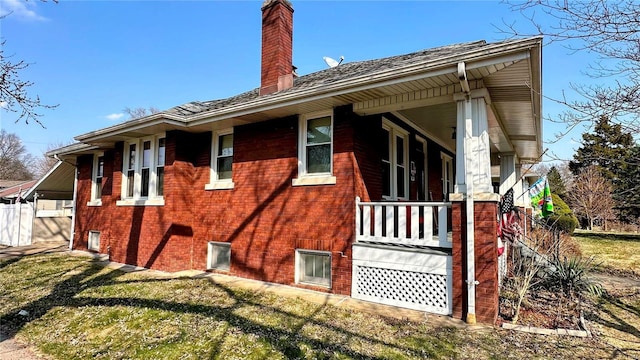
x=376 y=179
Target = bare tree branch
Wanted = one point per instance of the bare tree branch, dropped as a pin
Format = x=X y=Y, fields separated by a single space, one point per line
x=15 y=162
x=139 y=112
x=14 y=91
x=591 y=196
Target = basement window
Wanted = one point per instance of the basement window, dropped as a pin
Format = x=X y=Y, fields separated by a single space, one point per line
x=313 y=268
x=93 y=241
x=219 y=256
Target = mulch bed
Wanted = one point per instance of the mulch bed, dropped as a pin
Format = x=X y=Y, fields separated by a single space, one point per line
x=542 y=308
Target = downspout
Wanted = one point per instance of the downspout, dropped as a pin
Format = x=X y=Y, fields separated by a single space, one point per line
x=73 y=204
x=18 y=202
x=35 y=214
x=468 y=179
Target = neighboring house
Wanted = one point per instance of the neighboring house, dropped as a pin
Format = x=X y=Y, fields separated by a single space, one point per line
x=12 y=191
x=38 y=210
x=372 y=179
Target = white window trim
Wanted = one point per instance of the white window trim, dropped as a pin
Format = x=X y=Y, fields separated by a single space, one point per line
x=214 y=182
x=137 y=199
x=94 y=175
x=304 y=178
x=395 y=131
x=89 y=242
x=447 y=176
x=298 y=264
x=423 y=144
x=210 y=247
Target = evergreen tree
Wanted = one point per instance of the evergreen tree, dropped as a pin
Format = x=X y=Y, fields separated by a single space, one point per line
x=629 y=188
x=607 y=147
x=556 y=183
x=611 y=151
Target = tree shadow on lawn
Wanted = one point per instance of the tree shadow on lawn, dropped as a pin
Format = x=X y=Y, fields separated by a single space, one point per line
x=289 y=341
x=620 y=312
x=7 y=262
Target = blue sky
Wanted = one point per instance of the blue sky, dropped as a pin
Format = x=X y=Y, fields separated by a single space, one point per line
x=95 y=58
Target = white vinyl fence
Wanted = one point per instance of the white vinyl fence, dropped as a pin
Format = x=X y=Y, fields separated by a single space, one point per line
x=16 y=222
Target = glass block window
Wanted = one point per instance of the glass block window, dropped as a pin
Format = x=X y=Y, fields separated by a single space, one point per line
x=219 y=256
x=93 y=241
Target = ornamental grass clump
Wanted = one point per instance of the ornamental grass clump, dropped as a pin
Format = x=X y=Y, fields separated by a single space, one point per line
x=571 y=276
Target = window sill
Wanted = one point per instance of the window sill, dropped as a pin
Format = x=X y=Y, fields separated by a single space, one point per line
x=141 y=202
x=219 y=185
x=314 y=180
x=97 y=202
x=315 y=284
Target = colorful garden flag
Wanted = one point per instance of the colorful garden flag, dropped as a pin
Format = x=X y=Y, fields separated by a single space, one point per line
x=541 y=196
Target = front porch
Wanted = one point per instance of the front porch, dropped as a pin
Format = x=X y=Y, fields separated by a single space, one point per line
x=415 y=255
x=450 y=146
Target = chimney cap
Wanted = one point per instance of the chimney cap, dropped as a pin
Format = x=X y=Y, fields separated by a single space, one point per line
x=269 y=3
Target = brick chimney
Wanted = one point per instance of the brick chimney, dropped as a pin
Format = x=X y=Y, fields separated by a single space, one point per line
x=277 y=46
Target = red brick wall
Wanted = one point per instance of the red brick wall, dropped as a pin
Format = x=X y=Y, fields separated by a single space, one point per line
x=459 y=258
x=367 y=155
x=155 y=237
x=264 y=217
x=486 y=261
x=486 y=250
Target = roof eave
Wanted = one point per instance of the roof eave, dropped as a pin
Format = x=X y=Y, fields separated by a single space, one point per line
x=293 y=96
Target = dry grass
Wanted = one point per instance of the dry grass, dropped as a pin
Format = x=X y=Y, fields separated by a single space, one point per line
x=615 y=254
x=78 y=309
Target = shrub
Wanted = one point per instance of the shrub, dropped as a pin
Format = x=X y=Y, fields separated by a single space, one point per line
x=562 y=218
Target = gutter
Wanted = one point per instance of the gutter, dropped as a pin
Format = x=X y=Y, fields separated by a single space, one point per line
x=470 y=205
x=73 y=205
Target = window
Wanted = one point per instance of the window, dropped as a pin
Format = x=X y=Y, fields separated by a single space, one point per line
x=160 y=166
x=221 y=160
x=395 y=144
x=143 y=171
x=97 y=174
x=313 y=267
x=93 y=241
x=315 y=149
x=447 y=175
x=131 y=165
x=219 y=255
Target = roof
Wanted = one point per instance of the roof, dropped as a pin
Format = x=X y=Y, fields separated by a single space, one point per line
x=56 y=184
x=9 y=183
x=11 y=192
x=510 y=69
x=343 y=72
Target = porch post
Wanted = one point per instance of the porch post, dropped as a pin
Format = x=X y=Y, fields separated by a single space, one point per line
x=474 y=156
x=473 y=183
x=480 y=151
x=518 y=189
x=461 y=161
x=508 y=176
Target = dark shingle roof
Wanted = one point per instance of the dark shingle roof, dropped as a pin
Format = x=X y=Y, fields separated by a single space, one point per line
x=342 y=72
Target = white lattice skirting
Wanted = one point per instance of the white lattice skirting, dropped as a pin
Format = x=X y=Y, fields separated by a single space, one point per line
x=415 y=281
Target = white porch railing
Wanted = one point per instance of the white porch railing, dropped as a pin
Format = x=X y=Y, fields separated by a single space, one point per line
x=405 y=223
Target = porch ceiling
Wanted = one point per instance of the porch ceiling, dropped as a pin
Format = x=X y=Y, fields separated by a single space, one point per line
x=514 y=125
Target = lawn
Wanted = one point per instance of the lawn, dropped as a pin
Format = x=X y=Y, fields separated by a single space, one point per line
x=78 y=309
x=615 y=254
